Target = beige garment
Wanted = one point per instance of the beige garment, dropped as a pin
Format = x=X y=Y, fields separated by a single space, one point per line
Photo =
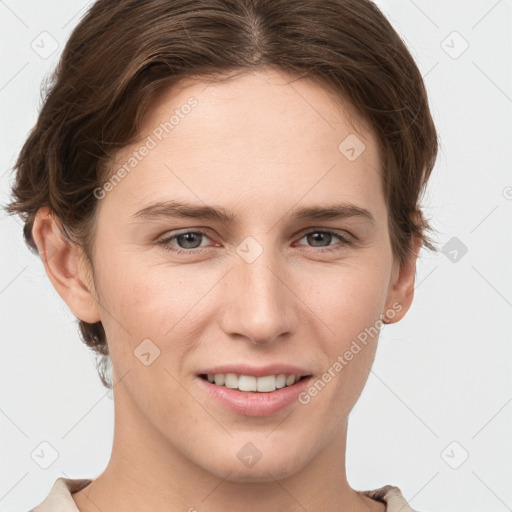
x=60 y=500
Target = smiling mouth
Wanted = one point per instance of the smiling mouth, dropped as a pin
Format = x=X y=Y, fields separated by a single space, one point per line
x=265 y=384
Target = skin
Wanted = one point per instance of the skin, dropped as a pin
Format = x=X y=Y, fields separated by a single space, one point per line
x=259 y=148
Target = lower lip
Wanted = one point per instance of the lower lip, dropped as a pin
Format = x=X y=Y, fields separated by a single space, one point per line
x=248 y=403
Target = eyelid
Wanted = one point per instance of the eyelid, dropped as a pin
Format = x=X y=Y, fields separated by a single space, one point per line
x=166 y=238
x=338 y=232
x=346 y=239
x=307 y=231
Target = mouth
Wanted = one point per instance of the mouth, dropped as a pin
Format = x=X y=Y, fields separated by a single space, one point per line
x=252 y=383
x=256 y=391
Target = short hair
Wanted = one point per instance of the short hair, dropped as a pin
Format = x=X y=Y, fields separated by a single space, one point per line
x=122 y=54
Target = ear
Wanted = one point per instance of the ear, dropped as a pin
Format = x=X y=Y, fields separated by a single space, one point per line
x=65 y=266
x=401 y=286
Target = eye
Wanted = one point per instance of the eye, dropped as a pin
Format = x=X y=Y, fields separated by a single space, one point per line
x=186 y=242
x=323 y=238
x=190 y=242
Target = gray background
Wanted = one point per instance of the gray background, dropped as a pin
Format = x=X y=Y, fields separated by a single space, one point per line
x=436 y=415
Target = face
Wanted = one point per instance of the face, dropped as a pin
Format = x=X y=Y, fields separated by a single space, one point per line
x=250 y=238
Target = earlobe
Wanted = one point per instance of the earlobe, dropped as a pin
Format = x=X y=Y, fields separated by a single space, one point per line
x=63 y=263
x=401 y=287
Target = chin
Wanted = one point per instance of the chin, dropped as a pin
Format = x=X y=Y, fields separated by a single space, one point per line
x=250 y=464
x=257 y=474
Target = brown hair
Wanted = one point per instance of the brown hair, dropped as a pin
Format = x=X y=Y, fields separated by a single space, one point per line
x=122 y=54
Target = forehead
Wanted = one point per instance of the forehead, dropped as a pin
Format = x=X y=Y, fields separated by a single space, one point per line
x=263 y=135
x=268 y=94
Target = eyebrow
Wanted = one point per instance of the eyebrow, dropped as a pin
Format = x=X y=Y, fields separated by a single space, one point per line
x=177 y=209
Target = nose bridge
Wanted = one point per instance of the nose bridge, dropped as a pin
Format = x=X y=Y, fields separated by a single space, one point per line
x=261 y=308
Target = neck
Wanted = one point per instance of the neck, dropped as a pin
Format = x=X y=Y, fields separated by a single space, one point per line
x=147 y=473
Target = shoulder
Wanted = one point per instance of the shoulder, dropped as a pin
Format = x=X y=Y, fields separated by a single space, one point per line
x=390 y=495
x=60 y=498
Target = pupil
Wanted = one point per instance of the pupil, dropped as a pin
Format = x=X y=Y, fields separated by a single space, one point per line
x=315 y=237
x=189 y=239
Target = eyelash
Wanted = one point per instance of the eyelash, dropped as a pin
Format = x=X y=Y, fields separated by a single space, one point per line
x=165 y=242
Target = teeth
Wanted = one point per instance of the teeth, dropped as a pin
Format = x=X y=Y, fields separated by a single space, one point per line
x=231 y=381
x=280 y=381
x=290 y=380
x=264 y=384
x=247 y=383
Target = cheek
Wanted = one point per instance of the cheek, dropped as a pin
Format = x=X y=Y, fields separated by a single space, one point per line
x=348 y=299
x=134 y=290
x=351 y=303
x=159 y=302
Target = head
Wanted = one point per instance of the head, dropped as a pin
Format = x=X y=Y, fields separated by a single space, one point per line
x=252 y=115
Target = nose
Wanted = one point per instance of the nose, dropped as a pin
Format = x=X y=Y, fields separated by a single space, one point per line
x=260 y=306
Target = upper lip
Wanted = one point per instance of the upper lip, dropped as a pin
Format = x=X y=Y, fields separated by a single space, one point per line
x=256 y=371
